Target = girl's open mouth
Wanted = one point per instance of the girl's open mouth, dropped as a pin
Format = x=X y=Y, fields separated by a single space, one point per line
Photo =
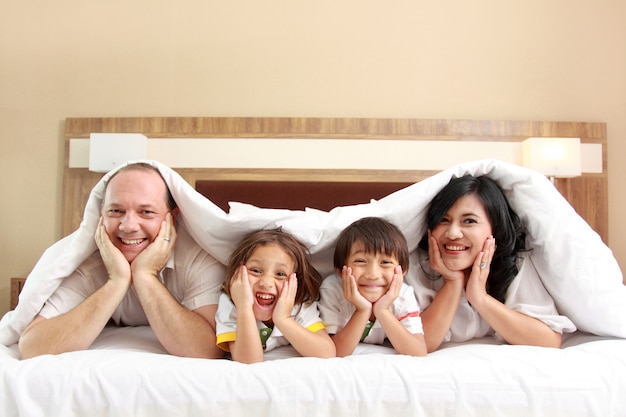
x=265 y=300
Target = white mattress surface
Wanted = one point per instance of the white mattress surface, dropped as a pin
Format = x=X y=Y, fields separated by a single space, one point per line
x=127 y=372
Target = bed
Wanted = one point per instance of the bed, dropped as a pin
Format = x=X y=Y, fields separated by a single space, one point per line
x=127 y=372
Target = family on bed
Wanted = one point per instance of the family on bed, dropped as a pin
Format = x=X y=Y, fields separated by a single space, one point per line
x=147 y=271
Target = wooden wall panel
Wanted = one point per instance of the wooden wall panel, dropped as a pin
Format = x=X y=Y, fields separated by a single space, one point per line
x=588 y=195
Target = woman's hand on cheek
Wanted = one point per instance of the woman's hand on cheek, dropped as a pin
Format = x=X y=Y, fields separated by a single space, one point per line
x=476 y=288
x=436 y=261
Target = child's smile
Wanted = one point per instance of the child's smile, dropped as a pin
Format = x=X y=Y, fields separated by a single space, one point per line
x=268 y=268
x=373 y=271
x=265 y=300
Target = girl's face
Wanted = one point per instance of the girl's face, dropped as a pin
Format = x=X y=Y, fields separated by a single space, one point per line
x=268 y=268
x=462 y=232
x=373 y=271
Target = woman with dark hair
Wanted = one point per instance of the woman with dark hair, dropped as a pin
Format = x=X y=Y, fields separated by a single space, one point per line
x=471 y=258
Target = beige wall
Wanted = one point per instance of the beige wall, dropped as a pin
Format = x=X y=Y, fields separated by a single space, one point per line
x=484 y=59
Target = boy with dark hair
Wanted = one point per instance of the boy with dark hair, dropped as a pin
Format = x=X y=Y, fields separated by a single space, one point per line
x=366 y=300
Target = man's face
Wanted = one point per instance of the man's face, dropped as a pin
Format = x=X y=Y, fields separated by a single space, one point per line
x=133 y=210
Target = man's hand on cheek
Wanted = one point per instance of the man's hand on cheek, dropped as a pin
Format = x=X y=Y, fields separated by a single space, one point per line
x=152 y=259
x=114 y=261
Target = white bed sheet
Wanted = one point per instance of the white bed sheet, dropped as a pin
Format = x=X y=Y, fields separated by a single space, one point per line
x=126 y=373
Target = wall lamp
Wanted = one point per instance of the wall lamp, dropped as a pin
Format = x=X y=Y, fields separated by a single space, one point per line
x=109 y=150
x=553 y=157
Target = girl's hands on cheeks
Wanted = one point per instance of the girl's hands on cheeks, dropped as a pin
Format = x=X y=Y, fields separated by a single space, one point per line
x=392 y=293
x=240 y=289
x=115 y=262
x=351 y=290
x=476 y=288
x=153 y=258
x=286 y=299
x=436 y=261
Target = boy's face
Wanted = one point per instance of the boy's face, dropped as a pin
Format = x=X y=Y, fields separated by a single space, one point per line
x=372 y=271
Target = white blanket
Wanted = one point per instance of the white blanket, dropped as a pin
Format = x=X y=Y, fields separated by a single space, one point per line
x=576 y=267
x=127 y=373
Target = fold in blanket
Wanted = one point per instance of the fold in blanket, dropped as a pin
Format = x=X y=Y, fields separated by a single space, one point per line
x=576 y=267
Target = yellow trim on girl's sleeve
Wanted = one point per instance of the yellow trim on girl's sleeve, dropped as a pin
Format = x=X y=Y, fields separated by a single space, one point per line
x=224 y=339
x=316 y=327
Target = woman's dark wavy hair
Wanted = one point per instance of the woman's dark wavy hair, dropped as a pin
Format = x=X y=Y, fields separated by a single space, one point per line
x=309 y=279
x=508 y=230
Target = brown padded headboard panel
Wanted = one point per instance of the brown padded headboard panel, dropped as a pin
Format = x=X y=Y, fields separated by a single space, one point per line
x=295 y=195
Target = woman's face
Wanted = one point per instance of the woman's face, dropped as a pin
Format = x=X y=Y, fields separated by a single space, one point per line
x=462 y=232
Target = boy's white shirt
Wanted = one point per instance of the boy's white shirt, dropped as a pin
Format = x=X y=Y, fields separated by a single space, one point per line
x=336 y=311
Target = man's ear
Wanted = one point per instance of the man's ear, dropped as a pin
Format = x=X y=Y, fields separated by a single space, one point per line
x=175 y=214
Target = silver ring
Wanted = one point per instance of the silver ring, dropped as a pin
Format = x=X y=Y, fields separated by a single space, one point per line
x=166 y=238
x=483 y=265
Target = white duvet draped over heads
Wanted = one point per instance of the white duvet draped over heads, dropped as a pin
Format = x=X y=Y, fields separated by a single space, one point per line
x=576 y=267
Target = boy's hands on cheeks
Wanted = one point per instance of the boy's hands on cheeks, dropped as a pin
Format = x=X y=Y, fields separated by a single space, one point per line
x=476 y=288
x=152 y=259
x=392 y=293
x=240 y=289
x=115 y=263
x=351 y=291
x=286 y=299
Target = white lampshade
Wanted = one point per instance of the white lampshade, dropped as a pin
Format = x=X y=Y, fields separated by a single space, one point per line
x=553 y=157
x=109 y=150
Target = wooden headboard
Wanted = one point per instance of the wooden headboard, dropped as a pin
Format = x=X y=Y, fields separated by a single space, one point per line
x=587 y=193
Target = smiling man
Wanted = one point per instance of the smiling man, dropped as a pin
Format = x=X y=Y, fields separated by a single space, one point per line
x=145 y=272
